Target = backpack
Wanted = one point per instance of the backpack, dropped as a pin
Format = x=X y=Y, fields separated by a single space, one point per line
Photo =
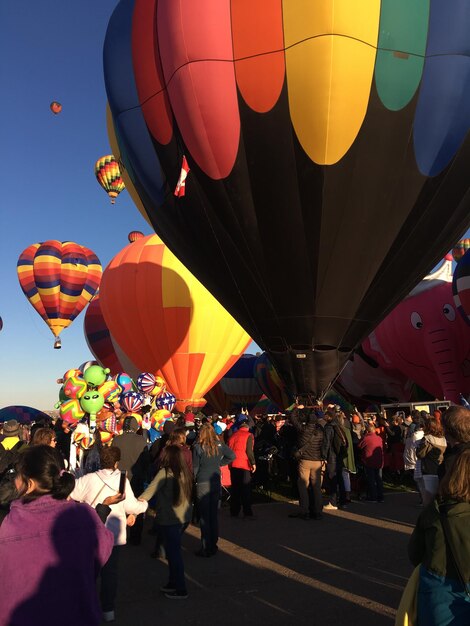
x=8 y=458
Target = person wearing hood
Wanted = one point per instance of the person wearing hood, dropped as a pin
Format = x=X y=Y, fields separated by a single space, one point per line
x=92 y=488
x=440 y=545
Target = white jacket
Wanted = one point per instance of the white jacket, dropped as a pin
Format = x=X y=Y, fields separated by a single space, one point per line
x=95 y=487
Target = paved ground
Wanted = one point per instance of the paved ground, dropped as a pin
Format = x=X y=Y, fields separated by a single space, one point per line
x=349 y=568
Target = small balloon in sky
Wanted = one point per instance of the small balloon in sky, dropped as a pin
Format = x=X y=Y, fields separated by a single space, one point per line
x=55 y=107
x=108 y=174
x=134 y=235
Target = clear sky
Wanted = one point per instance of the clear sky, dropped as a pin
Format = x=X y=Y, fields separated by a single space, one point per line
x=51 y=50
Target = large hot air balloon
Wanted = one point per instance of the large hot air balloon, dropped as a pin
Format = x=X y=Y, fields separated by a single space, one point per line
x=271 y=383
x=108 y=174
x=59 y=279
x=102 y=345
x=426 y=339
x=167 y=322
x=326 y=141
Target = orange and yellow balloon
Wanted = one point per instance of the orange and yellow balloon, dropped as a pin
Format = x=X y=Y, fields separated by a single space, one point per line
x=59 y=279
x=167 y=322
x=108 y=174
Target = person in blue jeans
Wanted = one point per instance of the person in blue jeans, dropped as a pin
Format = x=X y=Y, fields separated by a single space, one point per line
x=172 y=486
x=209 y=454
x=372 y=456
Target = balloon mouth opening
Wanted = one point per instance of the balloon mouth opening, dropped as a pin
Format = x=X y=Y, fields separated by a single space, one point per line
x=57 y=344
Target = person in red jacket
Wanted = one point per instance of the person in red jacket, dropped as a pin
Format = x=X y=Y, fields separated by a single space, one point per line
x=241 y=469
x=372 y=455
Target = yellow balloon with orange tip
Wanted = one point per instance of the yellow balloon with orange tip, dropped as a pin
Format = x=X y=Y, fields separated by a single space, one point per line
x=176 y=327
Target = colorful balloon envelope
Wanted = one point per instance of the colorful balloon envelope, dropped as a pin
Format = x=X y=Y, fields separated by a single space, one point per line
x=124 y=381
x=55 y=107
x=101 y=344
x=75 y=387
x=111 y=391
x=175 y=328
x=71 y=411
x=59 y=279
x=22 y=414
x=327 y=142
x=460 y=249
x=271 y=383
x=108 y=174
x=239 y=385
x=165 y=401
x=461 y=286
x=132 y=401
x=159 y=418
x=146 y=382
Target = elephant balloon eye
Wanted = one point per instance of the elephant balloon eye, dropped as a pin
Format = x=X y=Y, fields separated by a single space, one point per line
x=416 y=321
x=449 y=312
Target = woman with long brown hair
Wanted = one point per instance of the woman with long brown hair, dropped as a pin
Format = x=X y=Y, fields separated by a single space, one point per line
x=441 y=544
x=431 y=452
x=173 y=487
x=209 y=454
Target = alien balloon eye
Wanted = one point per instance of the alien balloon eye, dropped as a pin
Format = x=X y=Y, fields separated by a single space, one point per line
x=449 y=312
x=416 y=320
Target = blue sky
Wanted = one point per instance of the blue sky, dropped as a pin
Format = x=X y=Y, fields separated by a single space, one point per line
x=51 y=50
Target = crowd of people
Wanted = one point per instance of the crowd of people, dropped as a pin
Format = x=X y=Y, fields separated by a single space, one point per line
x=329 y=456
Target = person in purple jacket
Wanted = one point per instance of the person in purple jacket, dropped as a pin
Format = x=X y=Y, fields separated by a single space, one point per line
x=51 y=548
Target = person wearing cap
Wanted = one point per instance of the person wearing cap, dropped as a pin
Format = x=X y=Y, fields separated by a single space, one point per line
x=241 y=442
x=11 y=434
x=135 y=460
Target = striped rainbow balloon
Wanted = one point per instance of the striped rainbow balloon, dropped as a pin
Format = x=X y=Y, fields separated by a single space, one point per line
x=59 y=279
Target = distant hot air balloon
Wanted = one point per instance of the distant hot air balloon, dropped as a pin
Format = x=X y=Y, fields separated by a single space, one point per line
x=108 y=174
x=460 y=249
x=1 y=323
x=55 y=107
x=239 y=386
x=327 y=143
x=59 y=279
x=174 y=327
x=134 y=235
x=102 y=345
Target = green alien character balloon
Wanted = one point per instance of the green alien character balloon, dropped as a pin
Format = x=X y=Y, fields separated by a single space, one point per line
x=92 y=402
x=95 y=375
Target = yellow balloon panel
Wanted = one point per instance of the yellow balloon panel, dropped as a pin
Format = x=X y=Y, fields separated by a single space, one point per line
x=330 y=58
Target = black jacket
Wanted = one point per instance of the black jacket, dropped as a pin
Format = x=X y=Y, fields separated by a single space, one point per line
x=309 y=437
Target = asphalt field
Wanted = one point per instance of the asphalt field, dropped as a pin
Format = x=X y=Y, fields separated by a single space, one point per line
x=348 y=568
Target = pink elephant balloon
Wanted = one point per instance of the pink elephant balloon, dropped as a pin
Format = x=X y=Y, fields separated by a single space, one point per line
x=425 y=338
